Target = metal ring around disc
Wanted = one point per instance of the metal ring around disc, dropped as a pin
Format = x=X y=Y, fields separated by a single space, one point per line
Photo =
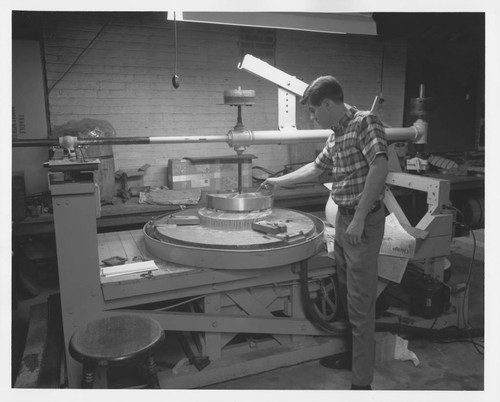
x=236 y=202
x=201 y=256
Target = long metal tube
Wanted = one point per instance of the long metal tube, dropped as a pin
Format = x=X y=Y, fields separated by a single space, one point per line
x=243 y=138
x=246 y=138
x=121 y=140
x=187 y=139
x=402 y=133
x=36 y=142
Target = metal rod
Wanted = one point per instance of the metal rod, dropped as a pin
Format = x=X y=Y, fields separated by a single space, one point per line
x=187 y=139
x=35 y=142
x=239 y=173
x=234 y=139
x=422 y=91
x=121 y=140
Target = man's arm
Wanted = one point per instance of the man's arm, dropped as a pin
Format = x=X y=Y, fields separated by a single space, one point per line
x=306 y=173
x=374 y=184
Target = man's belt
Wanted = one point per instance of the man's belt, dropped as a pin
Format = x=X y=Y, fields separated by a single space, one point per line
x=347 y=211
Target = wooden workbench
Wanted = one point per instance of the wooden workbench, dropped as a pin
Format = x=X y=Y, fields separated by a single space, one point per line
x=131 y=214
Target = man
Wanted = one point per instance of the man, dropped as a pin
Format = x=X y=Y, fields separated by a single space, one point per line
x=356 y=154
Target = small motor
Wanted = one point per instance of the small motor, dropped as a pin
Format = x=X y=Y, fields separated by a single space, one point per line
x=429 y=298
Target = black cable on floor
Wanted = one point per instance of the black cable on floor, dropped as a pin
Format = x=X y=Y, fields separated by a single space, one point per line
x=468 y=326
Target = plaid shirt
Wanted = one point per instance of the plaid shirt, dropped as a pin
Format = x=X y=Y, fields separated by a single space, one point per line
x=348 y=153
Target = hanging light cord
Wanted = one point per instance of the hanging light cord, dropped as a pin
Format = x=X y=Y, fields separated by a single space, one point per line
x=175 y=41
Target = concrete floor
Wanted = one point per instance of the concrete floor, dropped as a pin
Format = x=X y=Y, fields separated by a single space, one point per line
x=443 y=366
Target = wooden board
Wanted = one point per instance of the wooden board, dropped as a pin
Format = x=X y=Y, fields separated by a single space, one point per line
x=130 y=245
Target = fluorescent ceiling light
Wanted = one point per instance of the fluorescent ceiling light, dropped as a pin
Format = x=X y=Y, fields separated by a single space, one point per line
x=350 y=23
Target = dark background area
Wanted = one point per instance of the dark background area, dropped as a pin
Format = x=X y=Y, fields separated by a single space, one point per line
x=446 y=53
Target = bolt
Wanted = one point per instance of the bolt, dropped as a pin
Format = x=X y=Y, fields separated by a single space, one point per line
x=214 y=324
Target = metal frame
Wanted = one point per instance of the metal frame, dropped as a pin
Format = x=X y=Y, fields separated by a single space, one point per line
x=433 y=234
x=435 y=229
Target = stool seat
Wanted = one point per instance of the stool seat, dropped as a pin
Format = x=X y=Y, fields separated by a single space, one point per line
x=115 y=339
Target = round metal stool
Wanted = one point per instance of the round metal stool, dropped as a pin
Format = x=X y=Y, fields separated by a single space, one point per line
x=114 y=340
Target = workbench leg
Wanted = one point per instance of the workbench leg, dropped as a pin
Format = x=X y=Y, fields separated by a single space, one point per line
x=77 y=262
x=297 y=309
x=212 y=344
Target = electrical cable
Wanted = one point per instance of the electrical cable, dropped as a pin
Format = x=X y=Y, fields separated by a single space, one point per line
x=175 y=79
x=465 y=320
x=180 y=303
x=79 y=56
x=270 y=173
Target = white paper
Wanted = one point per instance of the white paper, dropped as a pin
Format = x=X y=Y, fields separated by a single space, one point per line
x=132 y=268
x=401 y=351
x=392 y=268
x=397 y=241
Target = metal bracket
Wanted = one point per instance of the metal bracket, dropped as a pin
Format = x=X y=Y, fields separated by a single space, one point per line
x=262 y=69
x=286 y=110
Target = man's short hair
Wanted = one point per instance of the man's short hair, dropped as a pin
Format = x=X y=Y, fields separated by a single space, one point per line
x=325 y=87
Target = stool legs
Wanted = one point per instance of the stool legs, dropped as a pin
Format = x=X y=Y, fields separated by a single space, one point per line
x=152 y=373
x=88 y=376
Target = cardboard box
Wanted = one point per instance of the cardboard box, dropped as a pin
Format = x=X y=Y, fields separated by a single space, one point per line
x=209 y=173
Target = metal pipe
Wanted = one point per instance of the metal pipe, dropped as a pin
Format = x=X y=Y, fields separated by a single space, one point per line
x=238 y=138
x=36 y=142
x=117 y=140
x=187 y=139
x=401 y=133
x=422 y=91
x=287 y=136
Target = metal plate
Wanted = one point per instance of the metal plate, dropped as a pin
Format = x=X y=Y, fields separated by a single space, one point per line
x=256 y=256
x=239 y=202
x=246 y=239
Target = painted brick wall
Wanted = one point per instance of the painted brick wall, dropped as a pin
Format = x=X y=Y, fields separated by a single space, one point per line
x=124 y=77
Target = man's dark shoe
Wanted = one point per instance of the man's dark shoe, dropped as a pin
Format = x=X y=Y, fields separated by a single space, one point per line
x=339 y=361
x=361 y=387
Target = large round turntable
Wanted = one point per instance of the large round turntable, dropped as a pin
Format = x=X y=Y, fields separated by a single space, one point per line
x=234 y=231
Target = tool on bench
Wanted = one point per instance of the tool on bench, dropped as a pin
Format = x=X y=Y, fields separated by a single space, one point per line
x=124 y=175
x=269 y=227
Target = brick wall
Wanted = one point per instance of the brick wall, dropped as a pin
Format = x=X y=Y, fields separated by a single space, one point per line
x=124 y=77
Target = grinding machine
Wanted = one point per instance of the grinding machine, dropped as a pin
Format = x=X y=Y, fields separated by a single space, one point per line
x=249 y=287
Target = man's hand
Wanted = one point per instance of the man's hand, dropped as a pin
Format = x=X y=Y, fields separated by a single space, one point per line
x=355 y=231
x=269 y=184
